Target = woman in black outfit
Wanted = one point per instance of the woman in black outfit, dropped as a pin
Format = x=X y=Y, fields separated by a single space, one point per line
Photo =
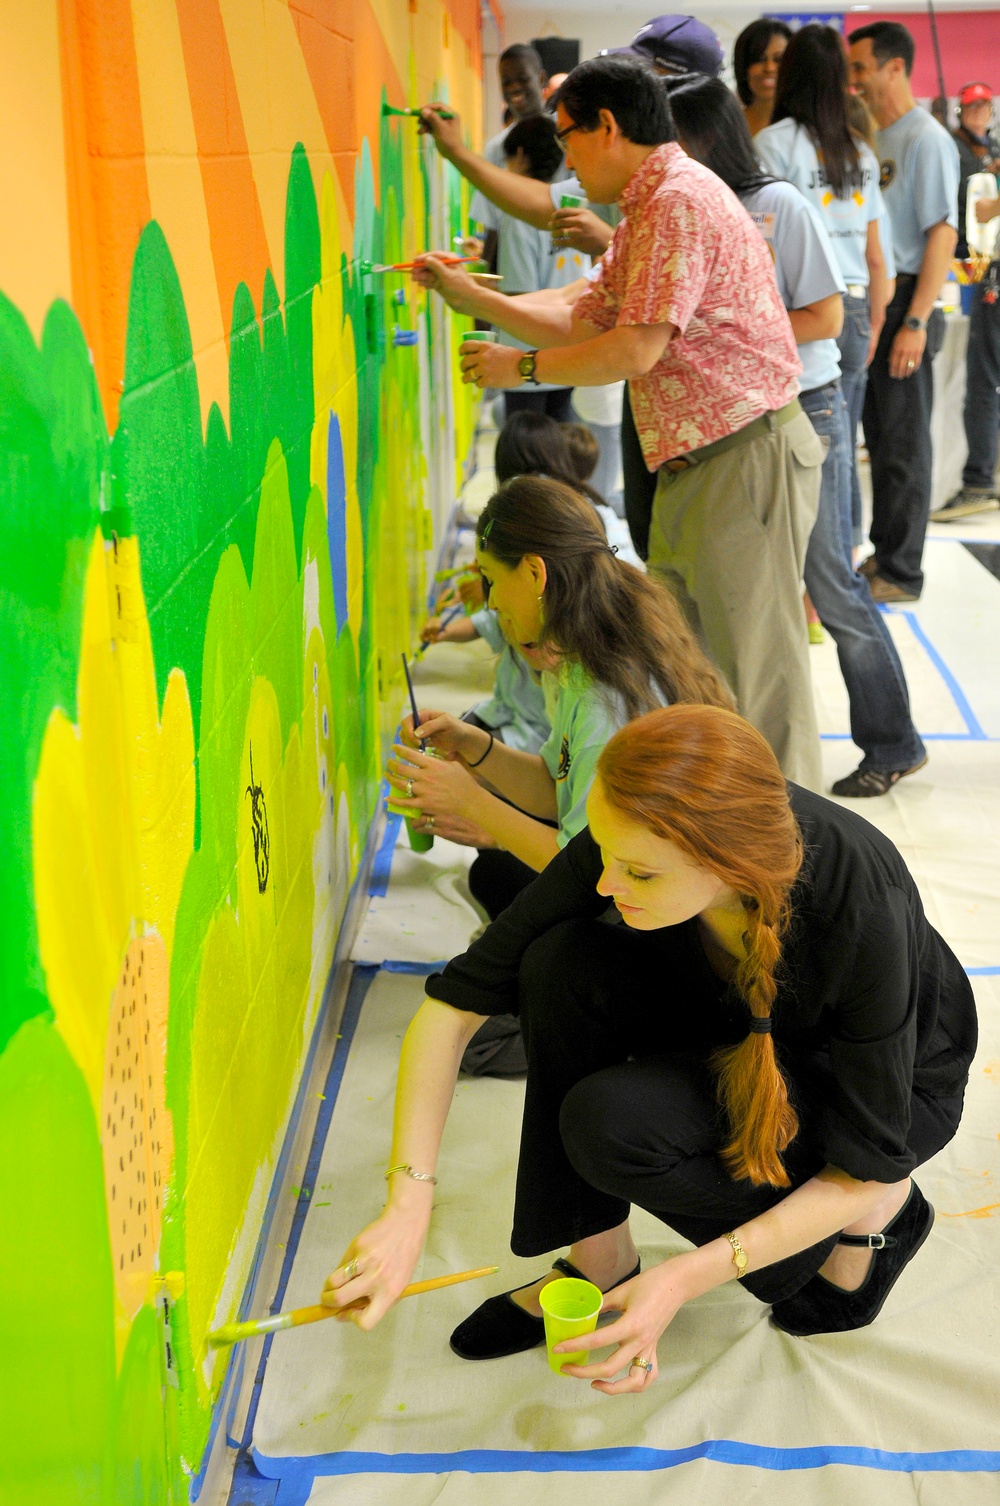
x=759 y=1052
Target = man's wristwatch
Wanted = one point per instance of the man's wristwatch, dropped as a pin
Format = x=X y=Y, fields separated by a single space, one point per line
x=526 y=366
x=912 y=322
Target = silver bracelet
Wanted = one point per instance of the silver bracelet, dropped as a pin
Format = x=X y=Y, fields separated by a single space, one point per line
x=417 y=1176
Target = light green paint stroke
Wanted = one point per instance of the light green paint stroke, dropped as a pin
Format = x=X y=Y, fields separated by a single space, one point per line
x=57 y=1375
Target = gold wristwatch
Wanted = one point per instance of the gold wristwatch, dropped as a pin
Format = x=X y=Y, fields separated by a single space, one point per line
x=740 y=1257
x=526 y=366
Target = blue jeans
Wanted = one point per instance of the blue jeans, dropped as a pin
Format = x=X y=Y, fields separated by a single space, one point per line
x=876 y=686
x=853 y=343
x=982 y=386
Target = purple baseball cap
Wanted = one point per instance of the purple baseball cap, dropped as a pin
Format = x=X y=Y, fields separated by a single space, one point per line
x=679 y=44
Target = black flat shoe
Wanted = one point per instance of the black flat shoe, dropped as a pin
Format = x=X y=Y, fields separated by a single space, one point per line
x=499 y=1326
x=821 y=1307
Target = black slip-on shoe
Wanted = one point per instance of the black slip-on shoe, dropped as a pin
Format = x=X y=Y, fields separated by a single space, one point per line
x=499 y=1326
x=821 y=1307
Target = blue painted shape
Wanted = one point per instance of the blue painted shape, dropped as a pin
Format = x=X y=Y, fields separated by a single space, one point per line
x=982 y=972
x=336 y=518
x=626 y=1460
x=404 y=336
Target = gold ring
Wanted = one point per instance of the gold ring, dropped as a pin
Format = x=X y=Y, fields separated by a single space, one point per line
x=351 y=1269
x=409 y=789
x=430 y=821
x=639 y=1363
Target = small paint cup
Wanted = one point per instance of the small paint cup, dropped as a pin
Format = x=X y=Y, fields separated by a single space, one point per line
x=484 y=336
x=570 y=1308
x=420 y=841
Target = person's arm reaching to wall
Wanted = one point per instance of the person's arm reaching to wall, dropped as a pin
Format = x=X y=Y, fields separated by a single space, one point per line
x=524 y=198
x=387 y=1251
x=573 y=352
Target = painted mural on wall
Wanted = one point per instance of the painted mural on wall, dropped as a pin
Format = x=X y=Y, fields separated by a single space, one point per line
x=201 y=615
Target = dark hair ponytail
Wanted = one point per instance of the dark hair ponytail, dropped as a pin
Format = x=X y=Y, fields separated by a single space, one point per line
x=624 y=628
x=812 y=91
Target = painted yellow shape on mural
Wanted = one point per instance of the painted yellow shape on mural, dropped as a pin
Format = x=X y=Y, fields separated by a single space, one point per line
x=112 y=831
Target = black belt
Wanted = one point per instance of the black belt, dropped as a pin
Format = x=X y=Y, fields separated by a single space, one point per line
x=810 y=390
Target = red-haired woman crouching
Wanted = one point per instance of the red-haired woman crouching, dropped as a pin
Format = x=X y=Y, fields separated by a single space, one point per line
x=759 y=1056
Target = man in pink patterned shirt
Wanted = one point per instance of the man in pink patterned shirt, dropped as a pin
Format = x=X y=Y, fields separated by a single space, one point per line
x=686 y=307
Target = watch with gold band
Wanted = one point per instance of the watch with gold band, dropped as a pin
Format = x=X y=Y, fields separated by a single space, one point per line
x=526 y=366
x=740 y=1257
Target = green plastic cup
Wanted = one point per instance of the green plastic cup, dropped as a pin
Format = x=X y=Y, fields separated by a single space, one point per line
x=571 y=201
x=420 y=841
x=570 y=1308
x=485 y=336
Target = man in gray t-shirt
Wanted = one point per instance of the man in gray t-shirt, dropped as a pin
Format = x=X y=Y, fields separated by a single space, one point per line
x=919 y=182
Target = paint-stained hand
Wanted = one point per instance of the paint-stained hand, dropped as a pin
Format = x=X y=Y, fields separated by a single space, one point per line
x=648 y=1304
x=581 y=230
x=380 y=1261
x=445 y=128
x=490 y=365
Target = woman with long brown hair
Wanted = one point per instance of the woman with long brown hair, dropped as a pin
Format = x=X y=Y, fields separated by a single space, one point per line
x=615 y=645
x=759 y=1056
x=610 y=642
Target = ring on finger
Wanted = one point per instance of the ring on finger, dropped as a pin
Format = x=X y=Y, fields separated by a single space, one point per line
x=409 y=789
x=641 y=1363
x=351 y=1268
x=430 y=822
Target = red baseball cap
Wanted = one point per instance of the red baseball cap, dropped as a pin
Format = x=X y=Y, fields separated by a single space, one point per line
x=971 y=94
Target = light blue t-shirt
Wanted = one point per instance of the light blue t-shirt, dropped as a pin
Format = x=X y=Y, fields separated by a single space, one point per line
x=527 y=263
x=480 y=207
x=919 y=181
x=804 y=264
x=584 y=716
x=788 y=151
x=516 y=708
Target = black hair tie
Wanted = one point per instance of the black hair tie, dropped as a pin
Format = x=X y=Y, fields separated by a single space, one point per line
x=760 y=1024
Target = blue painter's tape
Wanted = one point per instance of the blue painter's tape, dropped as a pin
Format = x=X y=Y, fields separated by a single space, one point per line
x=983 y=972
x=382 y=865
x=957 y=693
x=362 y=979
x=418 y=969
x=625 y=1460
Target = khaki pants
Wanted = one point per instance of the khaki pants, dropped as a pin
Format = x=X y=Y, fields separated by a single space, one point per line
x=729 y=538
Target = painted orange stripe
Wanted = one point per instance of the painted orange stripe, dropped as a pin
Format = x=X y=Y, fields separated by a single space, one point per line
x=348 y=64
x=235 y=223
x=107 y=191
